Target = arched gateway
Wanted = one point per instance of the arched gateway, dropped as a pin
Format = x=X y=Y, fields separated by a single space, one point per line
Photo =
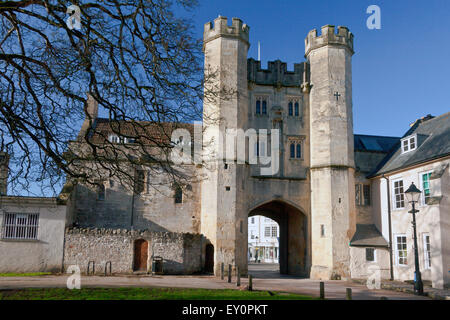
x=293 y=246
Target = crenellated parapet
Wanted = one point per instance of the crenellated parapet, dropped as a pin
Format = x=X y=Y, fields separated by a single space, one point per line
x=276 y=74
x=329 y=37
x=220 y=28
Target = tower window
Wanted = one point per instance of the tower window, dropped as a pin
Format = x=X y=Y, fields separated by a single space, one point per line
x=264 y=107
x=293 y=108
x=322 y=230
x=295 y=149
x=261 y=106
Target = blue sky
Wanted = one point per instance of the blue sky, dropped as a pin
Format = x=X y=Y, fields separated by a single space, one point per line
x=400 y=72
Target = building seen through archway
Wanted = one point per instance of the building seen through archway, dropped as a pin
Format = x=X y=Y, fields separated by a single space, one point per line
x=263 y=240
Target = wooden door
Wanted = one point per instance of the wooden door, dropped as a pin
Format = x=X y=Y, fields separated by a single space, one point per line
x=209 y=258
x=140 y=255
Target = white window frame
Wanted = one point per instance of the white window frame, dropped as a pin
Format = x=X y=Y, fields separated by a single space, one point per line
x=267 y=231
x=422 y=200
x=426 y=253
x=13 y=230
x=397 y=256
x=409 y=141
x=274 y=228
x=394 y=200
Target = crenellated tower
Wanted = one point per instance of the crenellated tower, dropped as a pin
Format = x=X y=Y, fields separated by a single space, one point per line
x=223 y=217
x=332 y=161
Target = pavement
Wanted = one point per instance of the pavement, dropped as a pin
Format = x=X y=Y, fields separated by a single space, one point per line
x=265 y=277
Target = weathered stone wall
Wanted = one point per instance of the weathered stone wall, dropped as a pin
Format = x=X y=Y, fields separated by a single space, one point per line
x=154 y=209
x=181 y=251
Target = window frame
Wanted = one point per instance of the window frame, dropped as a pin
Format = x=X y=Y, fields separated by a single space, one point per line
x=295 y=142
x=426 y=252
x=262 y=105
x=26 y=228
x=394 y=199
x=397 y=256
x=423 y=198
x=267 y=232
x=294 y=107
x=412 y=139
x=374 y=254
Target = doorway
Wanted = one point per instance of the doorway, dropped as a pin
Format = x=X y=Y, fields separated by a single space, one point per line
x=140 y=255
x=209 y=258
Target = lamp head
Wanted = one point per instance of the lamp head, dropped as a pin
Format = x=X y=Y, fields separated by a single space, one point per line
x=413 y=194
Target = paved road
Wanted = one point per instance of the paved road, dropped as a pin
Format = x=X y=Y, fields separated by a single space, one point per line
x=266 y=278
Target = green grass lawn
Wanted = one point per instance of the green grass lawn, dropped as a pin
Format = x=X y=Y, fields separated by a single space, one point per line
x=31 y=274
x=144 y=294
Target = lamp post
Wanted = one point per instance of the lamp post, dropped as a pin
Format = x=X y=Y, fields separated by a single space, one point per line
x=413 y=194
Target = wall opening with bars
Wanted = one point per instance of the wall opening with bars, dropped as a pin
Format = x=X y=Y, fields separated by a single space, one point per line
x=20 y=225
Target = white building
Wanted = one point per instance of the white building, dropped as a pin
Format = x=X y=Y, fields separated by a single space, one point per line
x=263 y=240
x=422 y=157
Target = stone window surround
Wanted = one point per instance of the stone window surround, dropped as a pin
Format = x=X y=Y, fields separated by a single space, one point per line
x=261 y=97
x=297 y=140
x=294 y=99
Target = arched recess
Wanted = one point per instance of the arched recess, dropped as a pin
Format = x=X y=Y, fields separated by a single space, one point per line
x=293 y=235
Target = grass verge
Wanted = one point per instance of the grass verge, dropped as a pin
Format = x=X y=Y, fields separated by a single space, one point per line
x=144 y=294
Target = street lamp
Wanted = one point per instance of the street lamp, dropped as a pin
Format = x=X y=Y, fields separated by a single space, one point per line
x=412 y=195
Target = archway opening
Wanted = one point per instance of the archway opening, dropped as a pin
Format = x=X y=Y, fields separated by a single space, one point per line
x=263 y=243
x=291 y=238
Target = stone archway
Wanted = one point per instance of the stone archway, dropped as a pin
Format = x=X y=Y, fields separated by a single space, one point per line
x=293 y=235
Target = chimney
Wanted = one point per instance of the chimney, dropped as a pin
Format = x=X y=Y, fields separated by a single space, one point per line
x=4 y=172
x=91 y=116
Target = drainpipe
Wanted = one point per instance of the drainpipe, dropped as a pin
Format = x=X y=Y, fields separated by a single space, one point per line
x=390 y=227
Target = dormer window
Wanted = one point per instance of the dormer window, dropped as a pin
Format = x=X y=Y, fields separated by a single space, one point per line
x=119 y=139
x=409 y=143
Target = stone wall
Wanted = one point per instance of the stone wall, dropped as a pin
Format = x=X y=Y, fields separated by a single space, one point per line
x=181 y=251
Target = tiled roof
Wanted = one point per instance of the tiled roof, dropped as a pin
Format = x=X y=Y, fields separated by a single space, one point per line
x=433 y=135
x=144 y=131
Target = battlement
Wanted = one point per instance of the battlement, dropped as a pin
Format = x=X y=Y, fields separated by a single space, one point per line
x=329 y=37
x=276 y=73
x=220 y=28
